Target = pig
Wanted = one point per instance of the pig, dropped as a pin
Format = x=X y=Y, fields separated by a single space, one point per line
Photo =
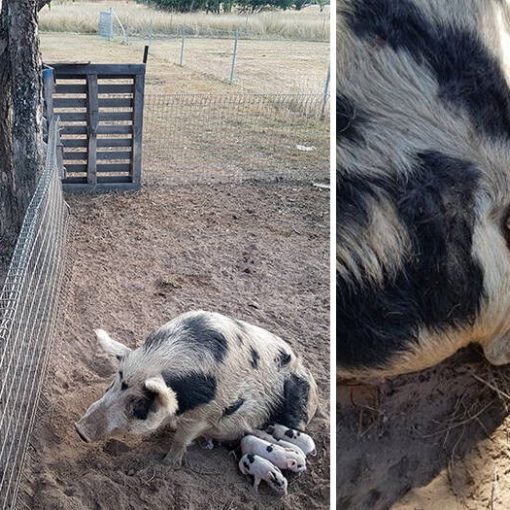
x=295 y=437
x=423 y=184
x=262 y=469
x=206 y=375
x=284 y=458
x=261 y=434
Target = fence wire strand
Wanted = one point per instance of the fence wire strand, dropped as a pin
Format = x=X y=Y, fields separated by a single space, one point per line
x=29 y=304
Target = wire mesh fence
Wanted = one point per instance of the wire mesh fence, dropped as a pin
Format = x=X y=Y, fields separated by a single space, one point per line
x=29 y=302
x=200 y=137
x=251 y=65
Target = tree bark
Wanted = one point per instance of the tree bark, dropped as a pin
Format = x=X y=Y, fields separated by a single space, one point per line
x=20 y=111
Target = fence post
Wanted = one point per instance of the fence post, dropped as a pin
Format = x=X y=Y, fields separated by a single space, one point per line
x=325 y=93
x=234 y=56
x=181 y=59
x=49 y=89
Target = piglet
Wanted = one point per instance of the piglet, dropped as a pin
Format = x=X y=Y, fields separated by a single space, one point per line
x=280 y=442
x=284 y=458
x=300 y=439
x=262 y=469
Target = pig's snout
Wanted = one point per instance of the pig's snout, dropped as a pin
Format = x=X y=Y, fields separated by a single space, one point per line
x=81 y=433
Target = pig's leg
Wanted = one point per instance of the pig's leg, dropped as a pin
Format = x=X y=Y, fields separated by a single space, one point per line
x=185 y=434
x=256 y=483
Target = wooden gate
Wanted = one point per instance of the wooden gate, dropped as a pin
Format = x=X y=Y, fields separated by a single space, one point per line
x=101 y=114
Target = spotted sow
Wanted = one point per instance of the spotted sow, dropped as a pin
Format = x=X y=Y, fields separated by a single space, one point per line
x=207 y=375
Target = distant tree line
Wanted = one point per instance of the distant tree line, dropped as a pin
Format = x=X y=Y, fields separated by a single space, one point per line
x=217 y=6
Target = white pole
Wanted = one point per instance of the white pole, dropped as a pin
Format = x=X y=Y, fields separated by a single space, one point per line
x=181 y=60
x=326 y=92
x=234 y=56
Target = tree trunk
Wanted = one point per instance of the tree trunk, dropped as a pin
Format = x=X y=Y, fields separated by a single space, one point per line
x=7 y=202
x=20 y=111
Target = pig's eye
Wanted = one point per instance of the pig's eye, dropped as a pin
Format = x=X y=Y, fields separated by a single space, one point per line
x=141 y=408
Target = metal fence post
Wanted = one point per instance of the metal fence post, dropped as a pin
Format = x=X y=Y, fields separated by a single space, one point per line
x=181 y=60
x=325 y=94
x=234 y=56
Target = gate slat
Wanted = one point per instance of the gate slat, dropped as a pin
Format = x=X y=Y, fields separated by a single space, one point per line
x=73 y=130
x=110 y=129
x=116 y=88
x=76 y=167
x=114 y=142
x=93 y=121
x=113 y=167
x=116 y=102
x=70 y=102
x=82 y=155
x=73 y=116
x=109 y=116
x=73 y=88
x=106 y=155
x=75 y=142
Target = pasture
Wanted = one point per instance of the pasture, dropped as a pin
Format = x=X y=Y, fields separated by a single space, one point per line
x=139 y=19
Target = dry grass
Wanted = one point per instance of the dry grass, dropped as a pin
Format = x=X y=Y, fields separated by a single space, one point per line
x=82 y=17
x=262 y=66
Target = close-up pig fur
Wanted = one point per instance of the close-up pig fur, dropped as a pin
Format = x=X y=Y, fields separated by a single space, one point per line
x=422 y=251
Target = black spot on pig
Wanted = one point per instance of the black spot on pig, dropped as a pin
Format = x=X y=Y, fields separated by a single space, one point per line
x=251 y=458
x=289 y=433
x=231 y=409
x=468 y=75
x=246 y=465
x=254 y=362
x=200 y=333
x=269 y=448
x=440 y=285
x=192 y=390
x=124 y=386
x=283 y=358
x=291 y=409
x=121 y=374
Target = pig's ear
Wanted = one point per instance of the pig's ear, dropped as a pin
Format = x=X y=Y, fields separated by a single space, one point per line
x=165 y=397
x=110 y=345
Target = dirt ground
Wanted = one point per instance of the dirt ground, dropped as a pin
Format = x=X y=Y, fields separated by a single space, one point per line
x=258 y=251
x=433 y=440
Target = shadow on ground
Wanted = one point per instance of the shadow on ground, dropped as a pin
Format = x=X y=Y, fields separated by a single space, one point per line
x=403 y=433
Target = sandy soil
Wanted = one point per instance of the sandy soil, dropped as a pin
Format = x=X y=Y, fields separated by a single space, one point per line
x=257 y=251
x=436 y=439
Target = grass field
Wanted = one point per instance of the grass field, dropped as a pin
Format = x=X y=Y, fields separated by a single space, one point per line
x=82 y=17
x=262 y=66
